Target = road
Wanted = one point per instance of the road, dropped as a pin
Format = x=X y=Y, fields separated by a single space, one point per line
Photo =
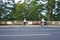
x=29 y=33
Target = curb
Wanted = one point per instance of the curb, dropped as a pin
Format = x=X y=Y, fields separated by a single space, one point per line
x=27 y=26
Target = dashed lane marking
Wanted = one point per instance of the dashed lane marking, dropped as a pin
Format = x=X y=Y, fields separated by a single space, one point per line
x=27 y=35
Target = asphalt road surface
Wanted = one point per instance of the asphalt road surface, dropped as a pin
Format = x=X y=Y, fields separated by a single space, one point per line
x=29 y=33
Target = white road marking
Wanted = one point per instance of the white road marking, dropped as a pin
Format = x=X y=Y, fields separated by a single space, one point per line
x=27 y=35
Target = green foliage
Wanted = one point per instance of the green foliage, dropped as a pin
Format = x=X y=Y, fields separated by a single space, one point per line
x=33 y=11
x=50 y=6
x=17 y=15
x=29 y=10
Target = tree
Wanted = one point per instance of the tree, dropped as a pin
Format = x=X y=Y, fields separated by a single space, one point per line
x=56 y=15
x=19 y=11
x=50 y=7
x=58 y=10
x=35 y=10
